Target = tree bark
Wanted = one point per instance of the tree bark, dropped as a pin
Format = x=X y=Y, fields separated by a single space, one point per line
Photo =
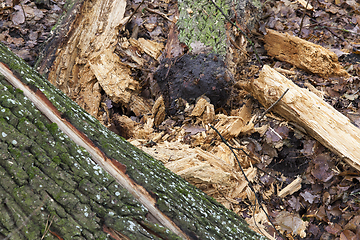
x=51 y=186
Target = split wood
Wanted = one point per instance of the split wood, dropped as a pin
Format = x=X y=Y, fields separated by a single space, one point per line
x=318 y=118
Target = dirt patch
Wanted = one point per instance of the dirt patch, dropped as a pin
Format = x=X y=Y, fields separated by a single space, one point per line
x=189 y=77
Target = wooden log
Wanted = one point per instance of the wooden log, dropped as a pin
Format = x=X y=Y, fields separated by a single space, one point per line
x=303 y=54
x=321 y=121
x=63 y=175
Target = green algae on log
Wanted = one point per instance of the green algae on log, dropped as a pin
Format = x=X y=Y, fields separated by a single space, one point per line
x=40 y=188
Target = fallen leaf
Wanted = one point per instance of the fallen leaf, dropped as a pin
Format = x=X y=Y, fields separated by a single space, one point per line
x=291 y=223
x=18 y=16
x=294 y=203
x=321 y=169
x=353 y=223
x=308 y=196
x=348 y=235
x=193 y=129
x=334 y=229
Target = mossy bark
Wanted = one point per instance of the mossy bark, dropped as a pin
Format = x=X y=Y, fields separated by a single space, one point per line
x=201 y=21
x=46 y=179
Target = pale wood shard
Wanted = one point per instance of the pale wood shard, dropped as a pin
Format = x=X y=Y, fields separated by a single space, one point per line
x=113 y=77
x=199 y=107
x=204 y=110
x=158 y=111
x=318 y=118
x=306 y=5
x=303 y=54
x=241 y=124
x=294 y=186
x=151 y=48
x=139 y=105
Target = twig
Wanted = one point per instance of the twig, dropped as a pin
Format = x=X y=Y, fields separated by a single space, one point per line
x=159 y=13
x=302 y=19
x=131 y=16
x=272 y=105
x=47 y=226
x=235 y=25
x=246 y=178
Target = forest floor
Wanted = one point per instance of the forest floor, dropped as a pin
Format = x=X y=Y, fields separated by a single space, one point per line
x=326 y=202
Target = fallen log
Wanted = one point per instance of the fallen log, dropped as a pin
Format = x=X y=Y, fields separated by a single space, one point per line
x=64 y=175
x=318 y=118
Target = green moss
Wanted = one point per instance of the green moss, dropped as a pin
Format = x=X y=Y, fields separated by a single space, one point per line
x=6 y=180
x=53 y=128
x=56 y=160
x=205 y=24
x=8 y=116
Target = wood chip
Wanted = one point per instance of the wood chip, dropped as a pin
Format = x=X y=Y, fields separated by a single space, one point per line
x=303 y=54
x=158 y=111
x=114 y=77
x=294 y=186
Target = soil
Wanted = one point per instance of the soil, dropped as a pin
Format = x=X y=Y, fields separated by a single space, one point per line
x=189 y=77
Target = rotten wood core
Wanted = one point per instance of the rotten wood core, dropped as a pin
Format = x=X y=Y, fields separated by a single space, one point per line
x=113 y=167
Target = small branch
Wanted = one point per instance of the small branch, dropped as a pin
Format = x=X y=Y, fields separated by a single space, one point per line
x=246 y=178
x=272 y=105
x=302 y=19
x=132 y=15
x=47 y=226
x=160 y=14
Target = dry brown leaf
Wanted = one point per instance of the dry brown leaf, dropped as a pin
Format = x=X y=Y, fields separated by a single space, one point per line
x=353 y=223
x=348 y=235
x=18 y=17
x=291 y=223
x=308 y=196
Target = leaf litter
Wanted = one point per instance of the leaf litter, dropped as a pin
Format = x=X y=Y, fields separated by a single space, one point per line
x=307 y=190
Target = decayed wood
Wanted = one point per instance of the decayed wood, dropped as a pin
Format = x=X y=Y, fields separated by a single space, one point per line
x=321 y=121
x=303 y=54
x=85 y=62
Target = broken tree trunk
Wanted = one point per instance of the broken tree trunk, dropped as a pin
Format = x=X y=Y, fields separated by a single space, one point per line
x=54 y=185
x=318 y=118
x=79 y=57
